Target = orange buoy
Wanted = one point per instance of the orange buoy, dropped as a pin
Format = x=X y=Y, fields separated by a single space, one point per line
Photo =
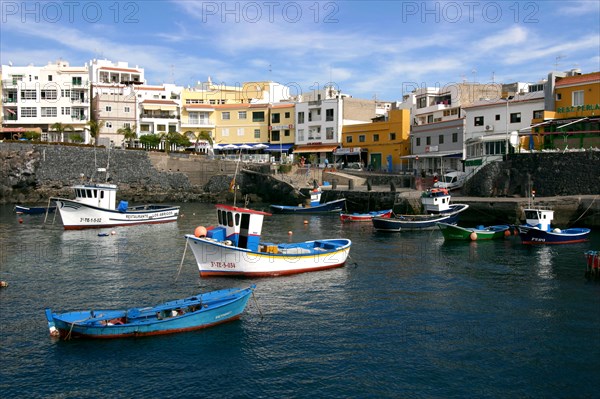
x=306 y=222
x=20 y=220
x=506 y=233
x=200 y=231
x=113 y=232
x=3 y=283
x=473 y=236
x=290 y=233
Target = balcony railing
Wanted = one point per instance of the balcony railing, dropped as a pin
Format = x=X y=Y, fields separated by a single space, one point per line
x=11 y=117
x=78 y=117
x=9 y=100
x=159 y=116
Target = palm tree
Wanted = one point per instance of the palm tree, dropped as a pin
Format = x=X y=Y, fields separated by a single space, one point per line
x=128 y=133
x=95 y=126
x=59 y=128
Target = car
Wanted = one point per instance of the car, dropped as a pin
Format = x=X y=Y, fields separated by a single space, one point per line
x=353 y=166
x=451 y=180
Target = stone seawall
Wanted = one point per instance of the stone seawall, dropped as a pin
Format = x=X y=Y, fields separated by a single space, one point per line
x=31 y=173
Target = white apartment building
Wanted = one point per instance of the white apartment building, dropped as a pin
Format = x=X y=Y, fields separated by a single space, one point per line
x=114 y=86
x=438 y=126
x=320 y=115
x=39 y=97
x=490 y=124
x=159 y=108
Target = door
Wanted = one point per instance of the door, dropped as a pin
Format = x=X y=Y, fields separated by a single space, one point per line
x=376 y=161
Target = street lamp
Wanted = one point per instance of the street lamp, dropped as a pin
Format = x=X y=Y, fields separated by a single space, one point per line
x=506 y=144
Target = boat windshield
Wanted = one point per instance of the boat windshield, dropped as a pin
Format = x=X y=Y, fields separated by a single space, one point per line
x=531 y=214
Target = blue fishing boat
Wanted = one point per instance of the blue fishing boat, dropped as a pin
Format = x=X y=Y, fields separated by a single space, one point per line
x=33 y=210
x=538 y=230
x=436 y=203
x=315 y=206
x=193 y=313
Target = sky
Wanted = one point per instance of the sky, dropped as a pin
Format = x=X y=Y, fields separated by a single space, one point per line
x=368 y=49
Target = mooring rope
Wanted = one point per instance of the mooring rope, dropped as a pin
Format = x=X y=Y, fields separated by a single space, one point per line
x=258 y=307
x=182 y=258
x=584 y=212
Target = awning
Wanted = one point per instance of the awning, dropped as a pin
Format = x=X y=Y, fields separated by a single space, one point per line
x=536 y=125
x=279 y=147
x=440 y=154
x=348 y=151
x=315 y=148
x=570 y=123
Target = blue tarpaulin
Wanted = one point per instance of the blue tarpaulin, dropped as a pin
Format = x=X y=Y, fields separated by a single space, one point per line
x=123 y=206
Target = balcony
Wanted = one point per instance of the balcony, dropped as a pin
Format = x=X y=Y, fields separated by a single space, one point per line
x=81 y=117
x=315 y=103
x=10 y=117
x=9 y=100
x=158 y=115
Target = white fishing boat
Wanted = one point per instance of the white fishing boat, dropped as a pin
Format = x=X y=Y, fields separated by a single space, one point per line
x=95 y=206
x=234 y=248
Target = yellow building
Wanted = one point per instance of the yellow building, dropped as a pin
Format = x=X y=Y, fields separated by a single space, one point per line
x=379 y=144
x=241 y=124
x=575 y=122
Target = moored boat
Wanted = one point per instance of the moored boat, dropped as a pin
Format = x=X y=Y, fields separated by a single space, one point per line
x=234 y=248
x=538 y=230
x=33 y=210
x=315 y=206
x=365 y=217
x=95 y=206
x=437 y=207
x=193 y=313
x=454 y=232
x=593 y=264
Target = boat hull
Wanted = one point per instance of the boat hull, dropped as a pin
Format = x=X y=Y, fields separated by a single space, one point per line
x=219 y=259
x=534 y=236
x=365 y=217
x=214 y=308
x=453 y=232
x=327 y=207
x=76 y=216
x=419 y=222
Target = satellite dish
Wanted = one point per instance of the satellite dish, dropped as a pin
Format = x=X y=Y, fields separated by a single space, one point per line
x=514 y=139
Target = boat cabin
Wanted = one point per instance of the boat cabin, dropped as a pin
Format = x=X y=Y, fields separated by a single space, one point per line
x=99 y=195
x=435 y=200
x=241 y=226
x=315 y=196
x=540 y=218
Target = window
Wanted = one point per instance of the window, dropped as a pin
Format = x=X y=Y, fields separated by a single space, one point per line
x=240 y=131
x=48 y=94
x=300 y=117
x=161 y=128
x=329 y=133
x=108 y=108
x=348 y=139
x=497 y=117
x=76 y=80
x=28 y=95
x=578 y=98
x=256 y=133
x=478 y=121
x=428 y=140
x=329 y=115
x=65 y=110
x=441 y=139
x=275 y=135
x=455 y=137
x=539 y=114
x=109 y=125
x=392 y=136
x=558 y=96
x=193 y=118
x=127 y=109
x=144 y=128
x=287 y=115
x=241 y=114
x=361 y=138
x=28 y=112
x=375 y=137
x=172 y=128
x=258 y=116
x=65 y=93
x=48 y=112
x=126 y=125
x=275 y=118
x=225 y=116
x=286 y=132
x=418 y=141
x=225 y=132
x=49 y=78
x=421 y=102
x=300 y=134
x=429 y=118
x=515 y=118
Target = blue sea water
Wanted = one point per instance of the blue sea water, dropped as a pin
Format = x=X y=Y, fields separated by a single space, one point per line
x=410 y=316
